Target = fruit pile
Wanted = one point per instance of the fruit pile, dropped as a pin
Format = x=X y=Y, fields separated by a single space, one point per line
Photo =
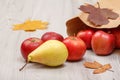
x=102 y=42
x=52 y=49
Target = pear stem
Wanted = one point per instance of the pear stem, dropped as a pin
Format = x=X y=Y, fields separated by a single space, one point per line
x=23 y=66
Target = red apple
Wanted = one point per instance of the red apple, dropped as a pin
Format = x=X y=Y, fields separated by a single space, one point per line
x=103 y=43
x=76 y=48
x=29 y=45
x=86 y=36
x=116 y=33
x=52 y=36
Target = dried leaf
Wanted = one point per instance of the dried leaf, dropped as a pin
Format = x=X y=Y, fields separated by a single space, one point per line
x=87 y=9
x=102 y=69
x=92 y=65
x=107 y=66
x=109 y=14
x=97 y=19
x=98 y=16
x=29 y=25
x=99 y=70
x=104 y=4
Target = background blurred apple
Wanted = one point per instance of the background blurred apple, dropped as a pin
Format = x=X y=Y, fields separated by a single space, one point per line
x=116 y=33
x=103 y=43
x=86 y=36
x=52 y=36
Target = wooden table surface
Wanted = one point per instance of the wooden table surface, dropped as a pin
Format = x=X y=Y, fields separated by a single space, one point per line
x=56 y=12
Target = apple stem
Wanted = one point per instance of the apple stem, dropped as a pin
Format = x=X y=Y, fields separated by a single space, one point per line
x=74 y=34
x=98 y=4
x=23 y=66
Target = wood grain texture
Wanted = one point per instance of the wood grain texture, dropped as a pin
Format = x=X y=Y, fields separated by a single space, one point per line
x=56 y=12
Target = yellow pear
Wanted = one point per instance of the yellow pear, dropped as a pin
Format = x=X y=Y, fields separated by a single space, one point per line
x=50 y=53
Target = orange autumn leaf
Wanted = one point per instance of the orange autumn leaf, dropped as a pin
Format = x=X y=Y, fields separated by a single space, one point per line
x=107 y=66
x=102 y=69
x=31 y=25
x=92 y=65
x=99 y=70
x=98 y=67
